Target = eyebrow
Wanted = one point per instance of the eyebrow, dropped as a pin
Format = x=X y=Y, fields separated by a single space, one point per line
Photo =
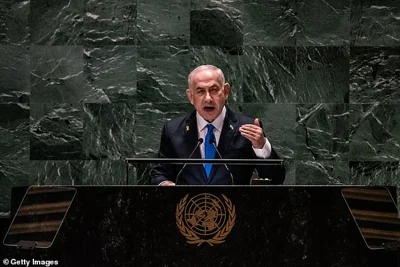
x=201 y=88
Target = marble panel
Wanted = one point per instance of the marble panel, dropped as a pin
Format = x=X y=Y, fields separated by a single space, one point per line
x=322 y=74
x=109 y=131
x=56 y=22
x=163 y=22
x=269 y=74
x=325 y=172
x=323 y=23
x=162 y=73
x=12 y=173
x=375 y=23
x=56 y=132
x=14 y=23
x=110 y=22
x=217 y=22
x=104 y=172
x=322 y=132
x=374 y=173
x=374 y=132
x=14 y=131
x=375 y=75
x=270 y=22
x=110 y=74
x=57 y=74
x=14 y=74
x=55 y=172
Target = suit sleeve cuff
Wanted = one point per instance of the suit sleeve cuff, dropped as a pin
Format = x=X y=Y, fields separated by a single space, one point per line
x=264 y=152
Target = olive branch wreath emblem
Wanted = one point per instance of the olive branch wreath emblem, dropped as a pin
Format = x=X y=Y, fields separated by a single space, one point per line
x=192 y=237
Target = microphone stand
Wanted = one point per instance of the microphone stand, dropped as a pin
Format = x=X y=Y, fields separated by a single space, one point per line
x=212 y=141
x=199 y=142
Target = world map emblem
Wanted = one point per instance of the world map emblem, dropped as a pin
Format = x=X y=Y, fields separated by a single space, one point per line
x=205 y=218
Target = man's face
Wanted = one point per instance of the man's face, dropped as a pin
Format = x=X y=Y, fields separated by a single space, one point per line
x=208 y=94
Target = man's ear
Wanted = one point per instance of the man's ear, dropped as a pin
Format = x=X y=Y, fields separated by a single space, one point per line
x=189 y=95
x=227 y=90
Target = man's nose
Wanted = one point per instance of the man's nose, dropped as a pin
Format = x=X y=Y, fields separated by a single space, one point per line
x=208 y=96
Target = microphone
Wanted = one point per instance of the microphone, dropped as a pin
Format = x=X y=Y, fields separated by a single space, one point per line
x=212 y=141
x=199 y=142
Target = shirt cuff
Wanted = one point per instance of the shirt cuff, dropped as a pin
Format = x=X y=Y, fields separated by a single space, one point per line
x=264 y=152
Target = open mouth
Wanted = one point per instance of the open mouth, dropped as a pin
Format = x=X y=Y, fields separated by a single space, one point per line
x=208 y=109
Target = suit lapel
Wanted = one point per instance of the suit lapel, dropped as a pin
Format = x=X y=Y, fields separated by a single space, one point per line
x=191 y=135
x=229 y=129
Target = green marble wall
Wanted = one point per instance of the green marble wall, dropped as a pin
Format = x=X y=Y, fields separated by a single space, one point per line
x=85 y=84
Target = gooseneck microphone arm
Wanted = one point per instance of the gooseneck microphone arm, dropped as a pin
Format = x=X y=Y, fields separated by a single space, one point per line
x=212 y=141
x=199 y=142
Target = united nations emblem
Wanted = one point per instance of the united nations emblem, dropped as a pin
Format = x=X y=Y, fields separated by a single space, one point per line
x=205 y=218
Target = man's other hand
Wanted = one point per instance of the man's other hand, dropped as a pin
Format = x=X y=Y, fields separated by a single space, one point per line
x=254 y=133
x=167 y=183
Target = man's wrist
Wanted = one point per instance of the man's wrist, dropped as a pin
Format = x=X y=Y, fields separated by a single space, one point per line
x=264 y=152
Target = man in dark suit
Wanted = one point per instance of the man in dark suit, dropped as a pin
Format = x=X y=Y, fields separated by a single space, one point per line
x=235 y=136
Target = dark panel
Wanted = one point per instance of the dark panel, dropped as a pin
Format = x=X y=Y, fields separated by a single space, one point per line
x=323 y=22
x=374 y=173
x=322 y=75
x=59 y=172
x=109 y=131
x=12 y=173
x=56 y=74
x=162 y=73
x=14 y=24
x=216 y=23
x=270 y=22
x=328 y=172
x=269 y=74
x=110 y=22
x=374 y=132
x=14 y=131
x=300 y=226
x=14 y=74
x=322 y=132
x=375 y=22
x=110 y=74
x=105 y=172
x=374 y=75
x=163 y=22
x=56 y=22
x=56 y=132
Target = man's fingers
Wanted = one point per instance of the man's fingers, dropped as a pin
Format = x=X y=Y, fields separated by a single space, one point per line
x=251 y=131
x=251 y=126
x=257 y=122
x=168 y=183
x=248 y=136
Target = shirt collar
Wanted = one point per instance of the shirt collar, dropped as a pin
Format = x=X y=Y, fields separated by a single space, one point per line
x=217 y=123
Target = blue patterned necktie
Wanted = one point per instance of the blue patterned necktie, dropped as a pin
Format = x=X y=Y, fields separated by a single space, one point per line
x=209 y=149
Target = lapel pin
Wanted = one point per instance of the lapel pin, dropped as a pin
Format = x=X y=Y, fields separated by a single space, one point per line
x=231 y=126
x=187 y=128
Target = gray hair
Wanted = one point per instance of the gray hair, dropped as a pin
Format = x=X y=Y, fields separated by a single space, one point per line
x=206 y=67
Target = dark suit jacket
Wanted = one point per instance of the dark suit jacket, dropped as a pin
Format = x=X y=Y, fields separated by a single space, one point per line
x=179 y=138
